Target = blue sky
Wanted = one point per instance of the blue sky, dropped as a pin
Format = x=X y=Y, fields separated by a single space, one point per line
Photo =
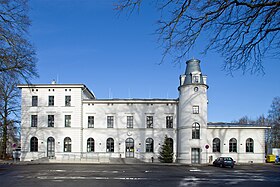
x=85 y=41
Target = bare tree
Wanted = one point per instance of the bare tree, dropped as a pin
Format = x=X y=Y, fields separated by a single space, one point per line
x=274 y=120
x=243 y=32
x=9 y=109
x=17 y=55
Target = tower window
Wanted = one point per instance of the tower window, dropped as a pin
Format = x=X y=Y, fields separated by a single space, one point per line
x=195 y=109
x=195 y=79
x=196 y=131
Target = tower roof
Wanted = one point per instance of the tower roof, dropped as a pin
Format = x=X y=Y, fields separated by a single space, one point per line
x=192 y=72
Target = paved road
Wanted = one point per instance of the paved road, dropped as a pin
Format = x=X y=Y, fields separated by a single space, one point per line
x=137 y=175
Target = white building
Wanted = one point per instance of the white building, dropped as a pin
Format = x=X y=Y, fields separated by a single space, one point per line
x=66 y=123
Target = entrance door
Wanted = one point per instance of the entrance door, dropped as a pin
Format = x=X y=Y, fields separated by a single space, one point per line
x=129 y=148
x=50 y=147
x=195 y=156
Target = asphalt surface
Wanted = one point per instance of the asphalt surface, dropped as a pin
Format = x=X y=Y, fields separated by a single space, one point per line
x=143 y=175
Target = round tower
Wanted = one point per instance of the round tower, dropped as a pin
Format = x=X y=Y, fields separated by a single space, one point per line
x=192 y=115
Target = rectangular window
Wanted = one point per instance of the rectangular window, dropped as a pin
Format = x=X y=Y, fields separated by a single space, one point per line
x=110 y=121
x=34 y=120
x=169 y=121
x=129 y=122
x=149 y=121
x=195 y=79
x=67 y=120
x=50 y=120
x=90 y=121
x=195 y=109
x=67 y=100
x=51 y=100
x=34 y=100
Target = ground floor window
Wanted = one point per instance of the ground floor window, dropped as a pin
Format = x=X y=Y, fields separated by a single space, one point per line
x=216 y=145
x=149 y=145
x=67 y=144
x=249 y=145
x=233 y=145
x=90 y=145
x=34 y=144
x=110 y=145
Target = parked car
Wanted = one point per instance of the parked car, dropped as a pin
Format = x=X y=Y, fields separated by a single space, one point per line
x=224 y=162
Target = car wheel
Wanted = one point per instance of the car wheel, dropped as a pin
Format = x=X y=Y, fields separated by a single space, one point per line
x=221 y=165
x=232 y=166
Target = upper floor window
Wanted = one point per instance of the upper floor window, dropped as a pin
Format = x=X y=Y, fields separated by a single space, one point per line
x=110 y=121
x=129 y=123
x=196 y=131
x=67 y=144
x=34 y=100
x=233 y=145
x=90 y=121
x=50 y=120
x=51 y=100
x=216 y=145
x=110 y=145
x=34 y=144
x=149 y=121
x=195 y=109
x=149 y=145
x=249 y=145
x=169 y=121
x=67 y=120
x=34 y=120
x=67 y=100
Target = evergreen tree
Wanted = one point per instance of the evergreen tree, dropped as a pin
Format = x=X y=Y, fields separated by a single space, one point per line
x=166 y=153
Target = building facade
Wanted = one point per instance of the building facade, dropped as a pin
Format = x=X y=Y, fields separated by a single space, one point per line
x=67 y=123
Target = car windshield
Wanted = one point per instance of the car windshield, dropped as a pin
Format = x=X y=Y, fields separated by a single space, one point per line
x=228 y=159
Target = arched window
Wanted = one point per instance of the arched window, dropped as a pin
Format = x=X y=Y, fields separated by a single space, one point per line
x=110 y=145
x=169 y=141
x=216 y=145
x=233 y=145
x=195 y=131
x=249 y=145
x=67 y=144
x=149 y=145
x=90 y=145
x=34 y=144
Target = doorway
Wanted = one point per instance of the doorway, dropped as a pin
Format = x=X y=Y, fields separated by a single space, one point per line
x=129 y=148
x=195 y=155
x=50 y=147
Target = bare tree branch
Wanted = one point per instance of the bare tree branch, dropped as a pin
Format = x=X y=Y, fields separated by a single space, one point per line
x=243 y=32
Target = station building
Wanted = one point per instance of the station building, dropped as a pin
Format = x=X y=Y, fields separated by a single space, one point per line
x=67 y=123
